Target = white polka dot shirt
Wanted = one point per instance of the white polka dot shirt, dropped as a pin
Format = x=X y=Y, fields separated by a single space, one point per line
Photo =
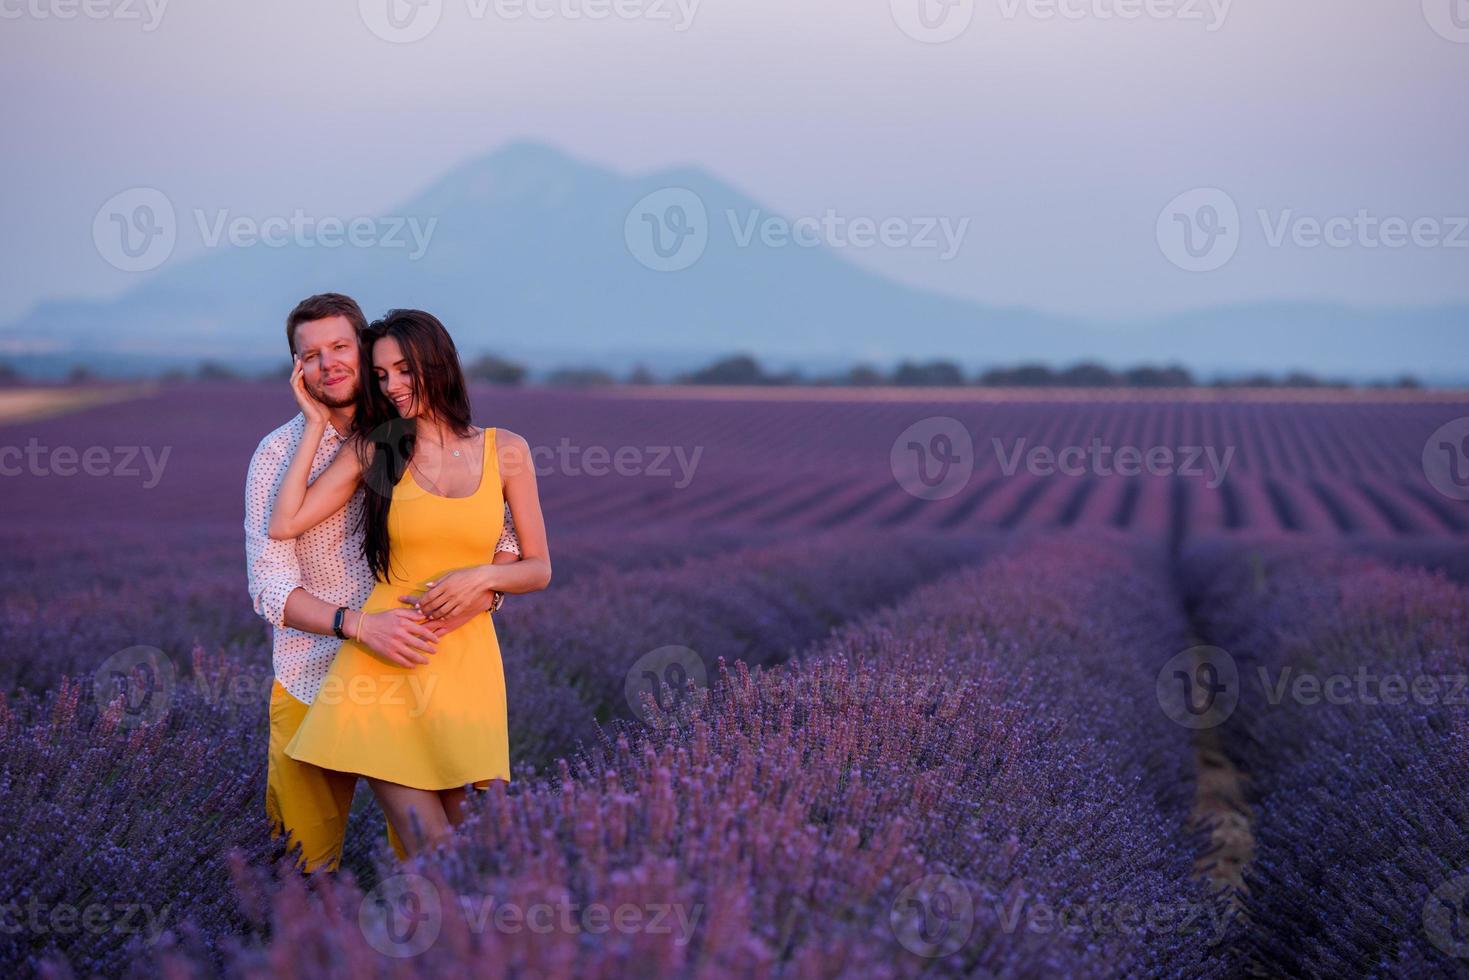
x=327 y=561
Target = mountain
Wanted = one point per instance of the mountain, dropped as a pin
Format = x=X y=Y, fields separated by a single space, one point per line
x=533 y=254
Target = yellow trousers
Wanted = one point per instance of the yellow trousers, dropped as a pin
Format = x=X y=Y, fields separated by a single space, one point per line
x=308 y=803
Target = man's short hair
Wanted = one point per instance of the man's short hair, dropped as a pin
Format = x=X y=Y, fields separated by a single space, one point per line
x=321 y=306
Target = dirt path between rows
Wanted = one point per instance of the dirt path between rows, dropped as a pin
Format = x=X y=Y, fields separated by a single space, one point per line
x=1220 y=803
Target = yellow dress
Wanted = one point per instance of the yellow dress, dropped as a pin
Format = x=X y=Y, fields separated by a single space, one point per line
x=440 y=725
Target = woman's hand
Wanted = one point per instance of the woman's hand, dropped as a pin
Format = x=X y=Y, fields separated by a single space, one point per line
x=454 y=593
x=316 y=413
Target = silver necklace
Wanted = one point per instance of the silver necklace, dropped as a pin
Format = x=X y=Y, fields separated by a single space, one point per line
x=454 y=452
x=433 y=486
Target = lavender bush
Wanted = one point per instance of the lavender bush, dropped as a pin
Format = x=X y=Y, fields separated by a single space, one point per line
x=906 y=799
x=974 y=781
x=117 y=830
x=214 y=710
x=568 y=651
x=1354 y=740
x=1095 y=815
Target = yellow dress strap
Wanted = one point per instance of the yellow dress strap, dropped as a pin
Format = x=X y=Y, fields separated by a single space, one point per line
x=491 y=455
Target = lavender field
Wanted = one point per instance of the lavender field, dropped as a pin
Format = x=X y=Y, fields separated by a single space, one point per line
x=1014 y=687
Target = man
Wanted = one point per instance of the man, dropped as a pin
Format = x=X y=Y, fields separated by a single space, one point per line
x=299 y=585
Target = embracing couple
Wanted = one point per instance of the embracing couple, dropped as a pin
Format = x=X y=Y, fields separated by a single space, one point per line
x=382 y=529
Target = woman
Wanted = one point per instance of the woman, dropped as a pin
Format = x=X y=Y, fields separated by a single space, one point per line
x=437 y=488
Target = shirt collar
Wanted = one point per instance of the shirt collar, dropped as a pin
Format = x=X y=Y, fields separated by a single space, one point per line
x=331 y=430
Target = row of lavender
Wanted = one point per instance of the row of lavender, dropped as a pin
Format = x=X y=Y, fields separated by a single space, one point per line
x=591 y=650
x=123 y=812
x=976 y=780
x=1077 y=848
x=72 y=595
x=1159 y=466
x=1352 y=723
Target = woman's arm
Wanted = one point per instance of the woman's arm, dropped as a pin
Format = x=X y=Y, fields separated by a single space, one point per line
x=299 y=507
x=532 y=572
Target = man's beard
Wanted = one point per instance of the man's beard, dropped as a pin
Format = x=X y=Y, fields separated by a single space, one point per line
x=330 y=400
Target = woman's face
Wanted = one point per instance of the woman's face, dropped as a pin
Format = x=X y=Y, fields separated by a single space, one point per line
x=393 y=376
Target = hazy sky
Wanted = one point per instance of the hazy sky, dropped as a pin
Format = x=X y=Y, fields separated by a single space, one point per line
x=1060 y=128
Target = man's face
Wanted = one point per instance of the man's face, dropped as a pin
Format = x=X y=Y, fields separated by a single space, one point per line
x=330 y=359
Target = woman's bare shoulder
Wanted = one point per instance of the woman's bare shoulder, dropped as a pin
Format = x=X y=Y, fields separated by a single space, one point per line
x=506 y=439
x=512 y=452
x=359 y=447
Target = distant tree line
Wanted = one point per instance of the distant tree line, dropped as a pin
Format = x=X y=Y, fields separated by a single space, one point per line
x=12 y=377
x=745 y=369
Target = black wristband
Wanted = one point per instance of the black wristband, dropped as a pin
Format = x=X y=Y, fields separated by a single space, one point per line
x=337 y=621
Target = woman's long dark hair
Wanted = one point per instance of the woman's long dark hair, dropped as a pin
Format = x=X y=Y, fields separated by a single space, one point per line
x=386 y=437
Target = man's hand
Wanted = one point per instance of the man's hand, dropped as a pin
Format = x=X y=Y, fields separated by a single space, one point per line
x=398 y=636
